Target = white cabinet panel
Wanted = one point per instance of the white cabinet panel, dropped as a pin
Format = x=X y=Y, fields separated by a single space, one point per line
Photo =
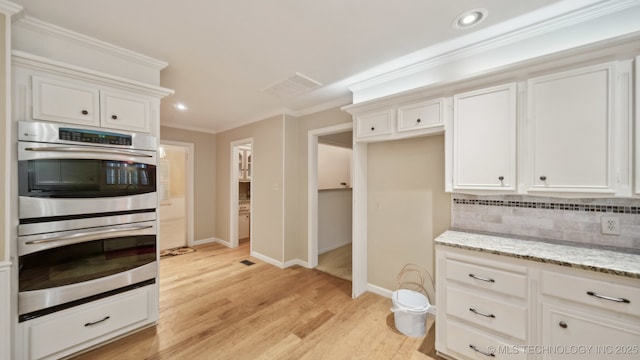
x=374 y=124
x=68 y=331
x=420 y=115
x=125 y=111
x=243 y=225
x=484 y=139
x=587 y=335
x=571 y=130
x=68 y=102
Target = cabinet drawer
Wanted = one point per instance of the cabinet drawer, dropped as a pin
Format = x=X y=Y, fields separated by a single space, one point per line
x=420 y=115
x=373 y=124
x=463 y=340
x=598 y=293
x=501 y=281
x=507 y=318
x=68 y=329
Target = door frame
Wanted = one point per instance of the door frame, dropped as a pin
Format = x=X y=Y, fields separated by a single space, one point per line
x=312 y=186
x=233 y=193
x=189 y=183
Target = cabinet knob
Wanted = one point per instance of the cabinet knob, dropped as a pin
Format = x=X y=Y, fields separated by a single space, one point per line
x=563 y=324
x=543 y=178
x=114 y=117
x=85 y=112
x=500 y=178
x=418 y=120
x=373 y=128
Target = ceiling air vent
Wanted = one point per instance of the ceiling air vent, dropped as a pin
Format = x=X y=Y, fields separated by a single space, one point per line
x=292 y=86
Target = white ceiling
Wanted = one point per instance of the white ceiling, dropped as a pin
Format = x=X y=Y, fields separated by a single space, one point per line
x=223 y=54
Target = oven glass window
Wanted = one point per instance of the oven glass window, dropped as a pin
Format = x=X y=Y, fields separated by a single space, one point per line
x=85 y=261
x=84 y=178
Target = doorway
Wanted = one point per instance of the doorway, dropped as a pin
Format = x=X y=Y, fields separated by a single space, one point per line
x=330 y=200
x=175 y=194
x=242 y=166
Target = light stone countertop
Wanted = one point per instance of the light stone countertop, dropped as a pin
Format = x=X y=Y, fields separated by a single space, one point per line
x=600 y=260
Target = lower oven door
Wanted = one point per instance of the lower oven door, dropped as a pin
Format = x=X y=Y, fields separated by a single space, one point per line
x=61 y=268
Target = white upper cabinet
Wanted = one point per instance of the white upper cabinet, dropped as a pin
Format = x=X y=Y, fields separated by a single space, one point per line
x=420 y=115
x=64 y=101
x=484 y=139
x=399 y=119
x=571 y=128
x=126 y=111
x=374 y=123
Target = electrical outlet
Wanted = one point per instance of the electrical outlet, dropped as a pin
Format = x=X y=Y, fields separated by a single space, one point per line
x=610 y=225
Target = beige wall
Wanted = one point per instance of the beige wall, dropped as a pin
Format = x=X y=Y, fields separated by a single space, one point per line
x=296 y=247
x=3 y=135
x=204 y=177
x=407 y=206
x=267 y=184
x=177 y=173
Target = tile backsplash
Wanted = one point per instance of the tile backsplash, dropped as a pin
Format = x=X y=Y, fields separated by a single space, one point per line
x=574 y=220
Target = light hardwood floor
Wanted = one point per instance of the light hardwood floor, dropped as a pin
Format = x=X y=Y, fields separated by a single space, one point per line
x=214 y=307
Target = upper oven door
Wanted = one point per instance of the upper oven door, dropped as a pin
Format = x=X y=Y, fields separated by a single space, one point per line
x=60 y=180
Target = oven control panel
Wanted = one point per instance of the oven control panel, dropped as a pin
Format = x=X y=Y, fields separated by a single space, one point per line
x=94 y=137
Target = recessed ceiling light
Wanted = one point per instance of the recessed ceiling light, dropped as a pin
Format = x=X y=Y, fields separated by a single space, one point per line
x=470 y=18
x=180 y=106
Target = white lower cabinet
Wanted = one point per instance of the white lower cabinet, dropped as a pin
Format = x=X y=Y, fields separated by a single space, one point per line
x=69 y=331
x=587 y=333
x=552 y=312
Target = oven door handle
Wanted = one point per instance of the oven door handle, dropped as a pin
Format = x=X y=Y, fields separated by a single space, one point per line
x=87 y=234
x=85 y=150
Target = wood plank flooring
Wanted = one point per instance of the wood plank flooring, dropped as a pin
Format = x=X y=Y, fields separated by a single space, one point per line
x=214 y=307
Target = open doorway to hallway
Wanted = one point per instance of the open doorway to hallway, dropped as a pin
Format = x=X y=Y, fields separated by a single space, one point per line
x=175 y=193
x=330 y=200
x=242 y=165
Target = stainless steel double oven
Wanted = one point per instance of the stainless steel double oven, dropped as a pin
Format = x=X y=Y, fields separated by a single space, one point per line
x=87 y=209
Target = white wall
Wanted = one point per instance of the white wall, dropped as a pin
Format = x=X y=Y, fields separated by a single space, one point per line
x=334 y=166
x=334 y=219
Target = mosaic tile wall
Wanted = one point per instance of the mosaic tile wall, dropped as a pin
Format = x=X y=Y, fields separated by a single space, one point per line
x=575 y=220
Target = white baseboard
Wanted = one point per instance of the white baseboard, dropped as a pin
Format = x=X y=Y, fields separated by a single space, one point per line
x=267 y=259
x=333 y=247
x=206 y=241
x=296 y=262
x=379 y=290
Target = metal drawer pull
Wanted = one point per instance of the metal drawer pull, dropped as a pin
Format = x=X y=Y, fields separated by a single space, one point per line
x=620 y=300
x=563 y=324
x=481 y=352
x=97 y=322
x=482 y=278
x=482 y=314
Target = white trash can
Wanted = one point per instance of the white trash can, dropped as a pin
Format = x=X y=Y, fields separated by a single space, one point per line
x=410 y=312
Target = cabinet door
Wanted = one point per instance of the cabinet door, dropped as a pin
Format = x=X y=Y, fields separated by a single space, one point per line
x=125 y=111
x=570 y=117
x=484 y=139
x=67 y=102
x=587 y=335
x=374 y=124
x=243 y=226
x=420 y=115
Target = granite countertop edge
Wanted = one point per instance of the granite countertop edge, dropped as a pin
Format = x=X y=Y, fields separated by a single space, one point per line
x=619 y=263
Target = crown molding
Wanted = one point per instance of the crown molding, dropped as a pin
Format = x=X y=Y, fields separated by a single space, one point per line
x=53 y=66
x=87 y=41
x=335 y=103
x=465 y=51
x=175 y=125
x=8 y=8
